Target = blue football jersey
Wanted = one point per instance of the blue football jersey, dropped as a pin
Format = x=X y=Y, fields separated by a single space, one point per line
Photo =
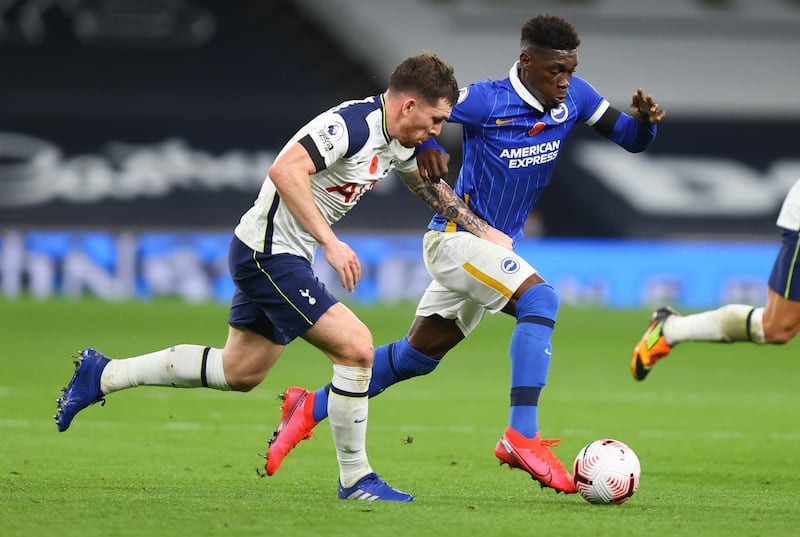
x=511 y=144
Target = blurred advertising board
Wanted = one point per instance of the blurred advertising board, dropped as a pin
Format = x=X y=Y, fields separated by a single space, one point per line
x=193 y=266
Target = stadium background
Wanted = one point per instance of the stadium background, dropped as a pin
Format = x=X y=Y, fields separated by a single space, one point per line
x=134 y=134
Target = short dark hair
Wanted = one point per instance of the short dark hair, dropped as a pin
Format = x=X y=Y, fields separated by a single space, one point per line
x=426 y=75
x=549 y=31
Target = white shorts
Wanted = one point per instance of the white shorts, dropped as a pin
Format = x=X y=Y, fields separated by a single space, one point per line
x=470 y=277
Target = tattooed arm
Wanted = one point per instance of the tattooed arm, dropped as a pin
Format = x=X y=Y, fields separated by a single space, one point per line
x=438 y=195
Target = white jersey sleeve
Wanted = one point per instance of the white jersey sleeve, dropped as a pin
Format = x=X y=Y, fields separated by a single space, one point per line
x=328 y=133
x=789 y=217
x=351 y=151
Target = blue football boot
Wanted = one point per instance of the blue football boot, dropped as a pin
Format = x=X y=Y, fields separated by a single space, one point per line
x=84 y=388
x=372 y=488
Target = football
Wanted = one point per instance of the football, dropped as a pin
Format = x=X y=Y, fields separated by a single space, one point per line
x=606 y=471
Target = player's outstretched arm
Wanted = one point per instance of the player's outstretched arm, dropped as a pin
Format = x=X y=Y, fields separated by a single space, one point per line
x=438 y=195
x=637 y=130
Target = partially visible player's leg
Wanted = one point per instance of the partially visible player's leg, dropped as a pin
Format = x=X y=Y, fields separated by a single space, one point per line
x=248 y=355
x=348 y=343
x=180 y=366
x=522 y=446
x=302 y=410
x=247 y=359
x=781 y=318
x=96 y=375
x=726 y=324
x=776 y=323
x=782 y=313
x=408 y=357
x=489 y=278
x=530 y=349
x=419 y=353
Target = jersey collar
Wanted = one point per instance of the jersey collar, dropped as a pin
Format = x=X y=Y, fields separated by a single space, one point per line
x=521 y=90
x=383 y=119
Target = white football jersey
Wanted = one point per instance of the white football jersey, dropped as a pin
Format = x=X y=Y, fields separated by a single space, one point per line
x=352 y=151
x=789 y=217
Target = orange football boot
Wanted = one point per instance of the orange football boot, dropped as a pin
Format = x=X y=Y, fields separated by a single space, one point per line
x=534 y=456
x=296 y=424
x=652 y=346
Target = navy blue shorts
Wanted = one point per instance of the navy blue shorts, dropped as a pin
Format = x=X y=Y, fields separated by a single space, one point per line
x=277 y=296
x=785 y=277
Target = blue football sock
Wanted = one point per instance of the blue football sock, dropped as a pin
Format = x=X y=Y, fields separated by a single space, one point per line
x=393 y=362
x=530 y=351
x=320 y=411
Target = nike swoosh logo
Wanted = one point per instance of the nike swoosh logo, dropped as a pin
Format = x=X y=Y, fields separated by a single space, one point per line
x=362 y=420
x=541 y=468
x=499 y=121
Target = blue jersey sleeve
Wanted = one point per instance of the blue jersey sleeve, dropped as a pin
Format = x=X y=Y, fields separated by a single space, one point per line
x=430 y=143
x=634 y=135
x=472 y=106
x=587 y=100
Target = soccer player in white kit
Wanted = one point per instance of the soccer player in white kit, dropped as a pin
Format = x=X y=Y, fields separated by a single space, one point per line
x=776 y=323
x=319 y=175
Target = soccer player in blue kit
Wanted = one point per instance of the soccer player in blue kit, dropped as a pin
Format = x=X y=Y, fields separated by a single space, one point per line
x=319 y=175
x=513 y=130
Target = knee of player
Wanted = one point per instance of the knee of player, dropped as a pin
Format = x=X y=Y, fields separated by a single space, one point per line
x=778 y=332
x=244 y=368
x=245 y=383
x=541 y=300
x=361 y=348
x=357 y=352
x=362 y=355
x=549 y=296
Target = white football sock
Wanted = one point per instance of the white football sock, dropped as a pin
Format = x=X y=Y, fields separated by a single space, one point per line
x=181 y=366
x=757 y=326
x=725 y=324
x=347 y=415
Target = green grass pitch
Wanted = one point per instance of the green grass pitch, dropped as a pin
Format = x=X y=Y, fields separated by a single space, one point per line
x=716 y=427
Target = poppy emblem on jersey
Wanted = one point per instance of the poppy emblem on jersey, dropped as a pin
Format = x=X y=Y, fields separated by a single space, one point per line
x=373 y=166
x=536 y=129
x=559 y=113
x=509 y=265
